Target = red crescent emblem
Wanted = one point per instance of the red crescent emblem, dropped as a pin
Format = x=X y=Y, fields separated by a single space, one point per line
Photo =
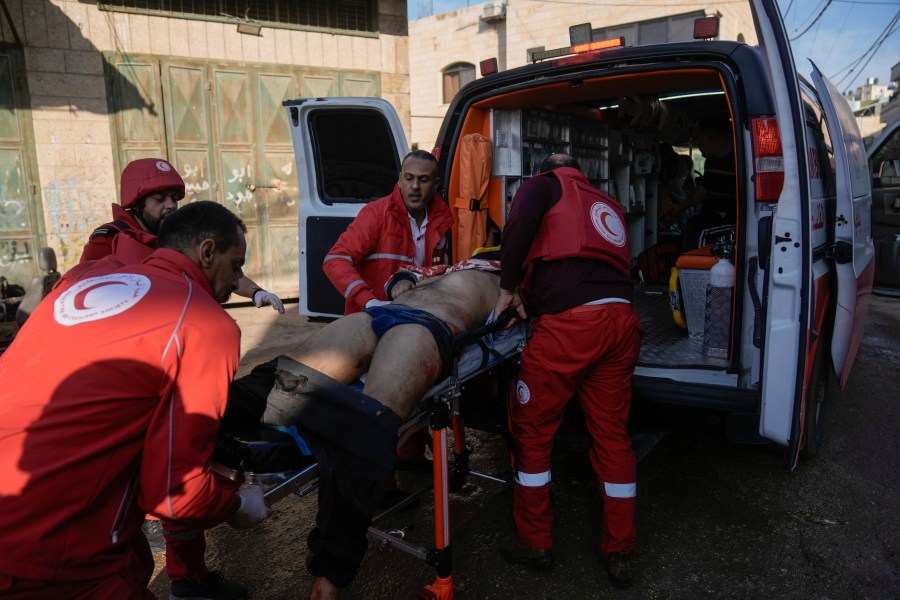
x=78 y=301
x=603 y=217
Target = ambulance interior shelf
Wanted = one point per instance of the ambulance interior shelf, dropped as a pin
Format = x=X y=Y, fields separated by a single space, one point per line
x=616 y=160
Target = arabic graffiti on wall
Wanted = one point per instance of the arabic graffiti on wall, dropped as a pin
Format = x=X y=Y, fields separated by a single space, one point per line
x=71 y=215
x=14 y=251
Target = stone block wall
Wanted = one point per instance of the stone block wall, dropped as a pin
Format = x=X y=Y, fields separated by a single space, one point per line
x=64 y=42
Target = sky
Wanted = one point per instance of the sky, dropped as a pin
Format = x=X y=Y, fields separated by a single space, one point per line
x=849 y=40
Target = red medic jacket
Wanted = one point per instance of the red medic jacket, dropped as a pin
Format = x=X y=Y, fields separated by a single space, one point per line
x=597 y=230
x=111 y=398
x=377 y=243
x=100 y=242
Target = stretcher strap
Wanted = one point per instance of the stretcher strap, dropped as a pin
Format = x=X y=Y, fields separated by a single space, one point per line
x=461 y=340
x=486 y=354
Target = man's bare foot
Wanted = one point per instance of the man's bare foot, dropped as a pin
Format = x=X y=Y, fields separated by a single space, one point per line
x=324 y=590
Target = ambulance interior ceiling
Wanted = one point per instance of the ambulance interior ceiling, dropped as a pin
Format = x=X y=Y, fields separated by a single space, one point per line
x=686 y=93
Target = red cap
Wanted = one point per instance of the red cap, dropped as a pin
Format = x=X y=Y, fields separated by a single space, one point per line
x=147 y=176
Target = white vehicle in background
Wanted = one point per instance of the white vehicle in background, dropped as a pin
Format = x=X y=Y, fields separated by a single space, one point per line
x=802 y=241
x=884 y=162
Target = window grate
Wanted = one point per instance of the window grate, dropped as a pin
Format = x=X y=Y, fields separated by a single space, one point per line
x=349 y=15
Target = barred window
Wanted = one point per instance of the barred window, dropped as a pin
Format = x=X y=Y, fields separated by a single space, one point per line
x=676 y=28
x=349 y=15
x=455 y=77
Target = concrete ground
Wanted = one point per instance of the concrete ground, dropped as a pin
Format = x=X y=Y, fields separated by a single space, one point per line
x=716 y=520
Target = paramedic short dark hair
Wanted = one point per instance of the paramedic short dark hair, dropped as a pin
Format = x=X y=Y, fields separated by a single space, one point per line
x=421 y=155
x=555 y=161
x=192 y=223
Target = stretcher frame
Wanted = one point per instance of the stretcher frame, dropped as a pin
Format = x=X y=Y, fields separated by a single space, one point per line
x=474 y=353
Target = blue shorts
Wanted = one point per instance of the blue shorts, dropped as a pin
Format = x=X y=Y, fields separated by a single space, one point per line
x=390 y=315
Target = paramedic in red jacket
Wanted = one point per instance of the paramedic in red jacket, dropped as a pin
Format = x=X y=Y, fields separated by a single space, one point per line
x=409 y=226
x=568 y=243
x=150 y=189
x=109 y=365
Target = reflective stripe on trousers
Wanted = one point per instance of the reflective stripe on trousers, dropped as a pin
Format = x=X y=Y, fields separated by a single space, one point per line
x=588 y=352
x=532 y=479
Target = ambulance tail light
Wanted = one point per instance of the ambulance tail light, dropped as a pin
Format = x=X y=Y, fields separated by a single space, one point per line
x=768 y=159
x=436 y=151
x=488 y=66
x=706 y=28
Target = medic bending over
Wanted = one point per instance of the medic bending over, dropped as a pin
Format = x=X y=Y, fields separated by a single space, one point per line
x=118 y=362
x=354 y=435
x=570 y=245
x=150 y=189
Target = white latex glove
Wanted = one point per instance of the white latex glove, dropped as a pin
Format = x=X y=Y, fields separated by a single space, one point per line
x=262 y=297
x=376 y=302
x=253 y=508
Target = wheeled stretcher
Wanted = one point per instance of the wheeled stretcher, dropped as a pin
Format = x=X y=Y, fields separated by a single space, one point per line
x=274 y=456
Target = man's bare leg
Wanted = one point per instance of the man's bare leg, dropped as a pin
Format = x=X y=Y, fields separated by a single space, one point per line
x=341 y=350
x=406 y=363
x=324 y=590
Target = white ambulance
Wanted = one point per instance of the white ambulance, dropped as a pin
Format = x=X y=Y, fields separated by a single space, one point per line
x=800 y=241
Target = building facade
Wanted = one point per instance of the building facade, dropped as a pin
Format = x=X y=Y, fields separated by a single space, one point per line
x=890 y=112
x=88 y=85
x=868 y=102
x=446 y=49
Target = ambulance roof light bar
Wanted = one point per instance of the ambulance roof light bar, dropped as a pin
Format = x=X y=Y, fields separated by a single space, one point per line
x=618 y=42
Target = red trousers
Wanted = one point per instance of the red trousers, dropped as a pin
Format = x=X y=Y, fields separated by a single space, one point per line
x=589 y=351
x=186 y=546
x=185 y=552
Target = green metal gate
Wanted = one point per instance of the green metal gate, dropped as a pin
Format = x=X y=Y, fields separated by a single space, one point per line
x=21 y=215
x=223 y=126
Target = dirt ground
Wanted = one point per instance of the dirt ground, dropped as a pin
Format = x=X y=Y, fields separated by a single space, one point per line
x=715 y=519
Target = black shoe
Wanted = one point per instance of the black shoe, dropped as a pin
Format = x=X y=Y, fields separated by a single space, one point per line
x=518 y=553
x=214 y=587
x=618 y=569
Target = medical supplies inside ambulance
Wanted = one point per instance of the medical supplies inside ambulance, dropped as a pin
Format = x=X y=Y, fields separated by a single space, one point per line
x=689 y=282
x=718 y=301
x=701 y=290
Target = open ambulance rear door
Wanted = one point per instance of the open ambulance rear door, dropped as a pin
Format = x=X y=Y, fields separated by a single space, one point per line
x=789 y=277
x=348 y=153
x=854 y=250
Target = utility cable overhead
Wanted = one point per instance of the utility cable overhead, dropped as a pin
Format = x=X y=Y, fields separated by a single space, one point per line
x=818 y=16
x=841 y=28
x=888 y=31
x=868 y=60
x=875 y=42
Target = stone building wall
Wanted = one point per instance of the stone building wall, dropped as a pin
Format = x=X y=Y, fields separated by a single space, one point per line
x=64 y=42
